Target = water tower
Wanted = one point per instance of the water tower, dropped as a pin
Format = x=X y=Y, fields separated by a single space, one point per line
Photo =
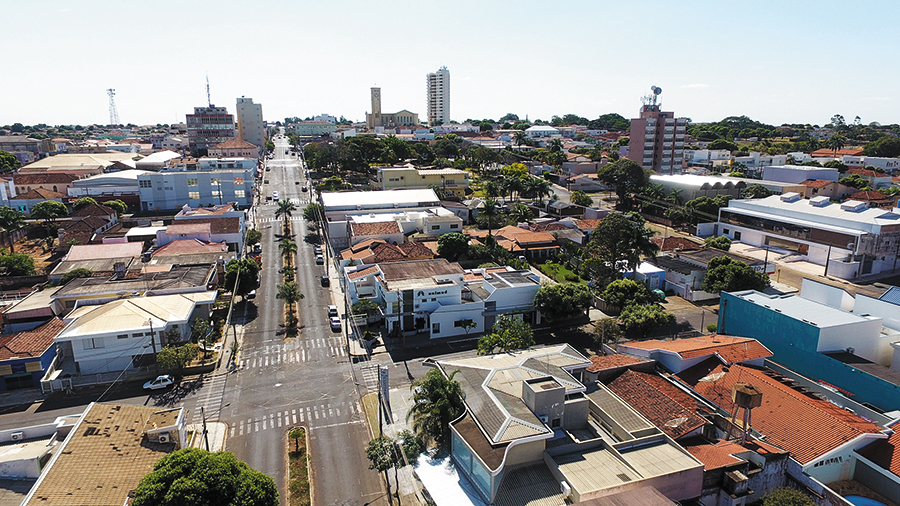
x=747 y=397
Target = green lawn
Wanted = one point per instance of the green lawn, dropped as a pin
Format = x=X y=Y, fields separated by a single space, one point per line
x=299 y=477
x=559 y=273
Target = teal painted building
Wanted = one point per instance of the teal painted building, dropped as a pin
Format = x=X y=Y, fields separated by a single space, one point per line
x=823 y=343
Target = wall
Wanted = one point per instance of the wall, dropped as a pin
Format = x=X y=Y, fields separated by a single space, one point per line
x=576 y=413
x=827 y=294
x=446 y=316
x=877 y=479
x=794 y=344
x=523 y=453
x=863 y=337
x=890 y=313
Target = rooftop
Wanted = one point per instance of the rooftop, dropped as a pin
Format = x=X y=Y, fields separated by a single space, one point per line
x=786 y=415
x=802 y=211
x=375 y=228
x=76 y=161
x=189 y=247
x=885 y=453
x=730 y=348
x=43 y=178
x=39 y=194
x=675 y=243
x=217 y=225
x=417 y=269
x=103 y=459
x=132 y=314
x=670 y=409
x=30 y=343
x=93 y=210
x=100 y=251
x=606 y=362
x=799 y=308
x=716 y=455
x=234 y=144
x=179 y=277
x=379 y=199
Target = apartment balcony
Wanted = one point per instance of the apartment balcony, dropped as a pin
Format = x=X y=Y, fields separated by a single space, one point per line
x=670 y=122
x=679 y=137
x=648 y=152
x=365 y=291
x=679 y=144
x=647 y=161
x=670 y=130
x=679 y=130
x=681 y=121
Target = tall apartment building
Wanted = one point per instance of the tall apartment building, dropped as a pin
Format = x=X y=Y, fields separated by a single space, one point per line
x=439 y=97
x=209 y=126
x=251 y=127
x=657 y=137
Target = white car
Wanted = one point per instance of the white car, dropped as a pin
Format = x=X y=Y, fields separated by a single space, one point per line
x=159 y=383
x=335 y=323
x=332 y=310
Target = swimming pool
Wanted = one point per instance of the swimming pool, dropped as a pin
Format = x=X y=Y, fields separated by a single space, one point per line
x=858 y=500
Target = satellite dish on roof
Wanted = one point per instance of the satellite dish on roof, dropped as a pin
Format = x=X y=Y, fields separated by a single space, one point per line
x=656 y=90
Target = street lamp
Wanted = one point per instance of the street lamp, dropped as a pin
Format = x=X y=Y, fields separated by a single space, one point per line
x=153 y=343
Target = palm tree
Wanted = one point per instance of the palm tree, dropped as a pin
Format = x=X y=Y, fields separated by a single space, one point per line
x=290 y=294
x=539 y=188
x=675 y=196
x=640 y=246
x=519 y=138
x=490 y=212
x=437 y=401
x=520 y=213
x=285 y=209
x=10 y=221
x=554 y=146
x=835 y=143
x=288 y=249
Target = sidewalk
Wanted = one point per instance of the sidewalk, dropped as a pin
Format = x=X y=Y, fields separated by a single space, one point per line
x=355 y=347
x=216 y=432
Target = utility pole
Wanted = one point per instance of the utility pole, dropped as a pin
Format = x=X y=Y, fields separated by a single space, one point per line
x=205 y=433
x=153 y=343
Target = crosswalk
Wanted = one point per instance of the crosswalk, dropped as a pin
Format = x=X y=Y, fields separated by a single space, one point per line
x=211 y=399
x=305 y=350
x=316 y=414
x=370 y=377
x=273 y=220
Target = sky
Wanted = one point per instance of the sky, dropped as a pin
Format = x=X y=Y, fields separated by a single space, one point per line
x=794 y=61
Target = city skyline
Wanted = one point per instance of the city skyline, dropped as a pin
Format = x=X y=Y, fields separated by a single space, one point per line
x=774 y=62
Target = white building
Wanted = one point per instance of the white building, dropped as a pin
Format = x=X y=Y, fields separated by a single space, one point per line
x=890 y=165
x=707 y=157
x=251 y=127
x=542 y=131
x=156 y=161
x=440 y=298
x=439 y=97
x=849 y=239
x=798 y=173
x=208 y=181
x=756 y=160
x=117 y=335
x=174 y=143
x=338 y=206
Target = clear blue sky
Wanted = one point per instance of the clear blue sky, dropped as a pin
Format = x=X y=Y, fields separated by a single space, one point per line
x=794 y=61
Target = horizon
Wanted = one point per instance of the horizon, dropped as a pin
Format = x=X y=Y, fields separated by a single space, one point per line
x=533 y=60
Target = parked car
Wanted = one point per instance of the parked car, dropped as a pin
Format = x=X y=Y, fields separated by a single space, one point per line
x=318 y=250
x=257 y=248
x=335 y=324
x=252 y=294
x=326 y=281
x=303 y=188
x=165 y=380
x=332 y=310
x=275 y=196
x=320 y=260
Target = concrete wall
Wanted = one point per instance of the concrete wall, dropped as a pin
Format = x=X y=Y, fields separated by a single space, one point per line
x=523 y=453
x=446 y=316
x=827 y=294
x=576 y=413
x=876 y=478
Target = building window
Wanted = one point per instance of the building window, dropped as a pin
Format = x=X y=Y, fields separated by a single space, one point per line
x=239 y=181
x=137 y=334
x=435 y=328
x=435 y=227
x=194 y=195
x=215 y=181
x=145 y=184
x=122 y=336
x=737 y=236
x=239 y=194
x=90 y=344
x=455 y=225
x=217 y=193
x=193 y=182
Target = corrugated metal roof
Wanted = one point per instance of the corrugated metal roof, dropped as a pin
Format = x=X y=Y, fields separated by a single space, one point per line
x=892 y=295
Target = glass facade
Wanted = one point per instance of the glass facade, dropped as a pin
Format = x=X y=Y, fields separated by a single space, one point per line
x=787 y=229
x=470 y=464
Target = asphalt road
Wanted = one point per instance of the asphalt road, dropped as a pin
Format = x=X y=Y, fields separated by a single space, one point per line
x=283 y=382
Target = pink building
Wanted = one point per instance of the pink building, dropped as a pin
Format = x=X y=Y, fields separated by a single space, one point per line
x=657 y=138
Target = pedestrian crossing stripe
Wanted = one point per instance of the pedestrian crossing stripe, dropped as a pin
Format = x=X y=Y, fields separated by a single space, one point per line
x=290 y=357
x=294 y=416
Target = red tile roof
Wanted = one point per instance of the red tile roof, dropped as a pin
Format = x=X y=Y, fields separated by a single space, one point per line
x=730 y=348
x=865 y=172
x=868 y=195
x=189 y=247
x=549 y=227
x=234 y=144
x=670 y=409
x=719 y=454
x=46 y=178
x=604 y=362
x=806 y=426
x=102 y=251
x=38 y=194
x=674 y=243
x=225 y=225
x=363 y=272
x=416 y=250
x=375 y=228
x=831 y=153
x=816 y=183
x=885 y=452
x=93 y=210
x=30 y=343
x=587 y=224
x=188 y=228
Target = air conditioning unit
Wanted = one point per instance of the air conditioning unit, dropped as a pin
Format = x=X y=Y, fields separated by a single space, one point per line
x=17 y=436
x=164 y=437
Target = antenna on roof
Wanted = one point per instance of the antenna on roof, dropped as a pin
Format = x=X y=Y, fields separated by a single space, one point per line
x=113 y=112
x=208 y=100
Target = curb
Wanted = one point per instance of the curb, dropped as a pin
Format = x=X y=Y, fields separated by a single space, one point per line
x=287 y=467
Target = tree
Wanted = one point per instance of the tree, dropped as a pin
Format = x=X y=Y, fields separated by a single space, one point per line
x=854 y=181
x=509 y=333
x=755 y=191
x=289 y=292
x=722 y=144
x=313 y=213
x=49 y=210
x=437 y=401
x=721 y=242
x=285 y=209
x=366 y=307
x=288 y=249
x=627 y=292
x=194 y=477
x=174 y=358
x=726 y=275
x=8 y=162
x=466 y=325
x=887 y=146
x=117 y=205
x=82 y=203
x=784 y=496
x=411 y=445
x=580 y=198
x=253 y=236
x=16 y=264
x=295 y=434
x=626 y=175
x=489 y=213
x=835 y=143
x=452 y=246
x=607 y=330
x=201 y=332
x=645 y=318
x=246 y=272
x=520 y=213
x=620 y=238
x=10 y=221
x=561 y=301
x=80 y=272
x=383 y=455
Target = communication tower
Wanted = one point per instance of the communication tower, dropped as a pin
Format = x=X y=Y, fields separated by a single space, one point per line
x=208 y=100
x=650 y=100
x=113 y=113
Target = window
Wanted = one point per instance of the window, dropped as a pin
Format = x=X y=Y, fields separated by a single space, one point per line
x=454 y=226
x=90 y=344
x=137 y=334
x=435 y=227
x=193 y=182
x=435 y=328
x=215 y=181
x=433 y=299
x=737 y=236
x=240 y=194
x=239 y=181
x=145 y=184
x=122 y=336
x=194 y=195
x=217 y=193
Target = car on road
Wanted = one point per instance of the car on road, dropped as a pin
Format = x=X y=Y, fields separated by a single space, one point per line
x=165 y=380
x=275 y=196
x=335 y=323
x=326 y=281
x=268 y=169
x=320 y=260
x=303 y=188
x=318 y=250
x=332 y=310
x=257 y=248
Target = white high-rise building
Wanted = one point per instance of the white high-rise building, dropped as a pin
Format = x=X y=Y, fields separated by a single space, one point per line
x=250 y=122
x=439 y=97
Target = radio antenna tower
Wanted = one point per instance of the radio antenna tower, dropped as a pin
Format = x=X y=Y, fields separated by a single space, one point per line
x=208 y=100
x=113 y=113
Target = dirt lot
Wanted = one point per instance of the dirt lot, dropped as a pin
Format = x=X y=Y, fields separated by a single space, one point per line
x=35 y=248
